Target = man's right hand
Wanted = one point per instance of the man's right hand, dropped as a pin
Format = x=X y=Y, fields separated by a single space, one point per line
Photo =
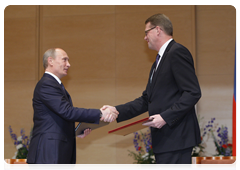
x=109 y=113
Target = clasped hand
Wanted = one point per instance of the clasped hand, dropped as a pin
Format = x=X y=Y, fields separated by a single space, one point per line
x=109 y=113
x=157 y=121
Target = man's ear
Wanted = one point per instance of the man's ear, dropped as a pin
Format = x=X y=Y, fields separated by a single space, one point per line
x=158 y=29
x=50 y=61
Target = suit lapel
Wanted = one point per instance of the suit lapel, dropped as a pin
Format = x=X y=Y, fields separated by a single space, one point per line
x=66 y=94
x=154 y=79
x=68 y=97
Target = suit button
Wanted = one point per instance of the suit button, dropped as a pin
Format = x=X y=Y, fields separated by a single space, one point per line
x=149 y=101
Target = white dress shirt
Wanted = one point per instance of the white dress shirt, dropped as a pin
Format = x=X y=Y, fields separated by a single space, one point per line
x=162 y=50
x=59 y=81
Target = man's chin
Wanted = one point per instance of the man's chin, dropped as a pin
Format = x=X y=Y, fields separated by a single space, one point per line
x=63 y=75
x=150 y=46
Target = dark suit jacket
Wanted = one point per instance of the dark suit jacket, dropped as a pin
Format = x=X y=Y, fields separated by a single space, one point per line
x=173 y=93
x=53 y=138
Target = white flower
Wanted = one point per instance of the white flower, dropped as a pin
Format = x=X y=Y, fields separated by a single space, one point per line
x=19 y=138
x=14 y=157
x=19 y=146
x=145 y=155
x=152 y=157
x=197 y=149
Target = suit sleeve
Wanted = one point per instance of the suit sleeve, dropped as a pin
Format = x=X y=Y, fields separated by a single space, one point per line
x=184 y=74
x=55 y=100
x=133 y=108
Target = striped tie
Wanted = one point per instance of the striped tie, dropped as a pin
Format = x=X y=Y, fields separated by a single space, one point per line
x=154 y=70
x=157 y=59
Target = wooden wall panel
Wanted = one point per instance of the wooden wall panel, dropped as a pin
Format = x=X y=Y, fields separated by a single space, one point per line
x=133 y=58
x=88 y=40
x=19 y=48
x=20 y=71
x=110 y=62
x=216 y=38
x=153 y=9
x=18 y=112
x=20 y=11
x=76 y=10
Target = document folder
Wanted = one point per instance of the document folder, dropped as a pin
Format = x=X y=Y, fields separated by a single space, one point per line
x=82 y=126
x=130 y=128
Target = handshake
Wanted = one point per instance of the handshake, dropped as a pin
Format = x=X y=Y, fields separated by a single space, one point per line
x=109 y=113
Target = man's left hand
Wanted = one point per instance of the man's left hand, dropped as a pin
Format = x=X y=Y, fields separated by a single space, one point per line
x=157 y=121
x=86 y=132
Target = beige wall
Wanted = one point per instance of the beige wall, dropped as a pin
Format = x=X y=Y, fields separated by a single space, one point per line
x=110 y=63
x=216 y=37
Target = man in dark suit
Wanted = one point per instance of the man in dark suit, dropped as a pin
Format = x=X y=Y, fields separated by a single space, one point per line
x=53 y=138
x=170 y=96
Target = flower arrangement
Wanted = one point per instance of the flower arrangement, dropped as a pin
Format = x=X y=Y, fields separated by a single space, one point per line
x=143 y=156
x=222 y=146
x=199 y=150
x=22 y=144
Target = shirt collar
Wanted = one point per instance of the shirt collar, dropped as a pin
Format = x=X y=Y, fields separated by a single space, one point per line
x=163 y=48
x=59 y=81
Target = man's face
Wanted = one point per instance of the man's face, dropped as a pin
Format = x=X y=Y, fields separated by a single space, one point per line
x=60 y=63
x=150 y=35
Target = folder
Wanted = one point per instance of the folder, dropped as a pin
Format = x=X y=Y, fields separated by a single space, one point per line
x=82 y=126
x=130 y=128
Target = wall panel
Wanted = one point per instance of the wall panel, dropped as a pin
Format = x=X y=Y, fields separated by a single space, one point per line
x=19 y=48
x=110 y=63
x=88 y=40
x=76 y=10
x=151 y=8
x=20 y=71
x=216 y=40
x=20 y=11
x=216 y=37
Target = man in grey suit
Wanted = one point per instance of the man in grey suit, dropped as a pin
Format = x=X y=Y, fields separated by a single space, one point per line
x=53 y=138
x=170 y=96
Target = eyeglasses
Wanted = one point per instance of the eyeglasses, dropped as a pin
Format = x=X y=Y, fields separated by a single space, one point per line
x=146 y=32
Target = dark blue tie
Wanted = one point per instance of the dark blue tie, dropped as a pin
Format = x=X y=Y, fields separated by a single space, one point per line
x=154 y=70
x=62 y=86
x=157 y=59
x=65 y=92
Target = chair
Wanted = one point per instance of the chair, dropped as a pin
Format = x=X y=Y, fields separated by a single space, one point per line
x=16 y=164
x=215 y=162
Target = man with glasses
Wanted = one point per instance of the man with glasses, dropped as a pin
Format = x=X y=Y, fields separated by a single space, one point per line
x=170 y=96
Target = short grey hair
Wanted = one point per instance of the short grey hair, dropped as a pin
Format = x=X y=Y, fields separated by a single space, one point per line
x=49 y=53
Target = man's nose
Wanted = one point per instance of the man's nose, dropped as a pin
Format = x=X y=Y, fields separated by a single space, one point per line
x=68 y=64
x=145 y=38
